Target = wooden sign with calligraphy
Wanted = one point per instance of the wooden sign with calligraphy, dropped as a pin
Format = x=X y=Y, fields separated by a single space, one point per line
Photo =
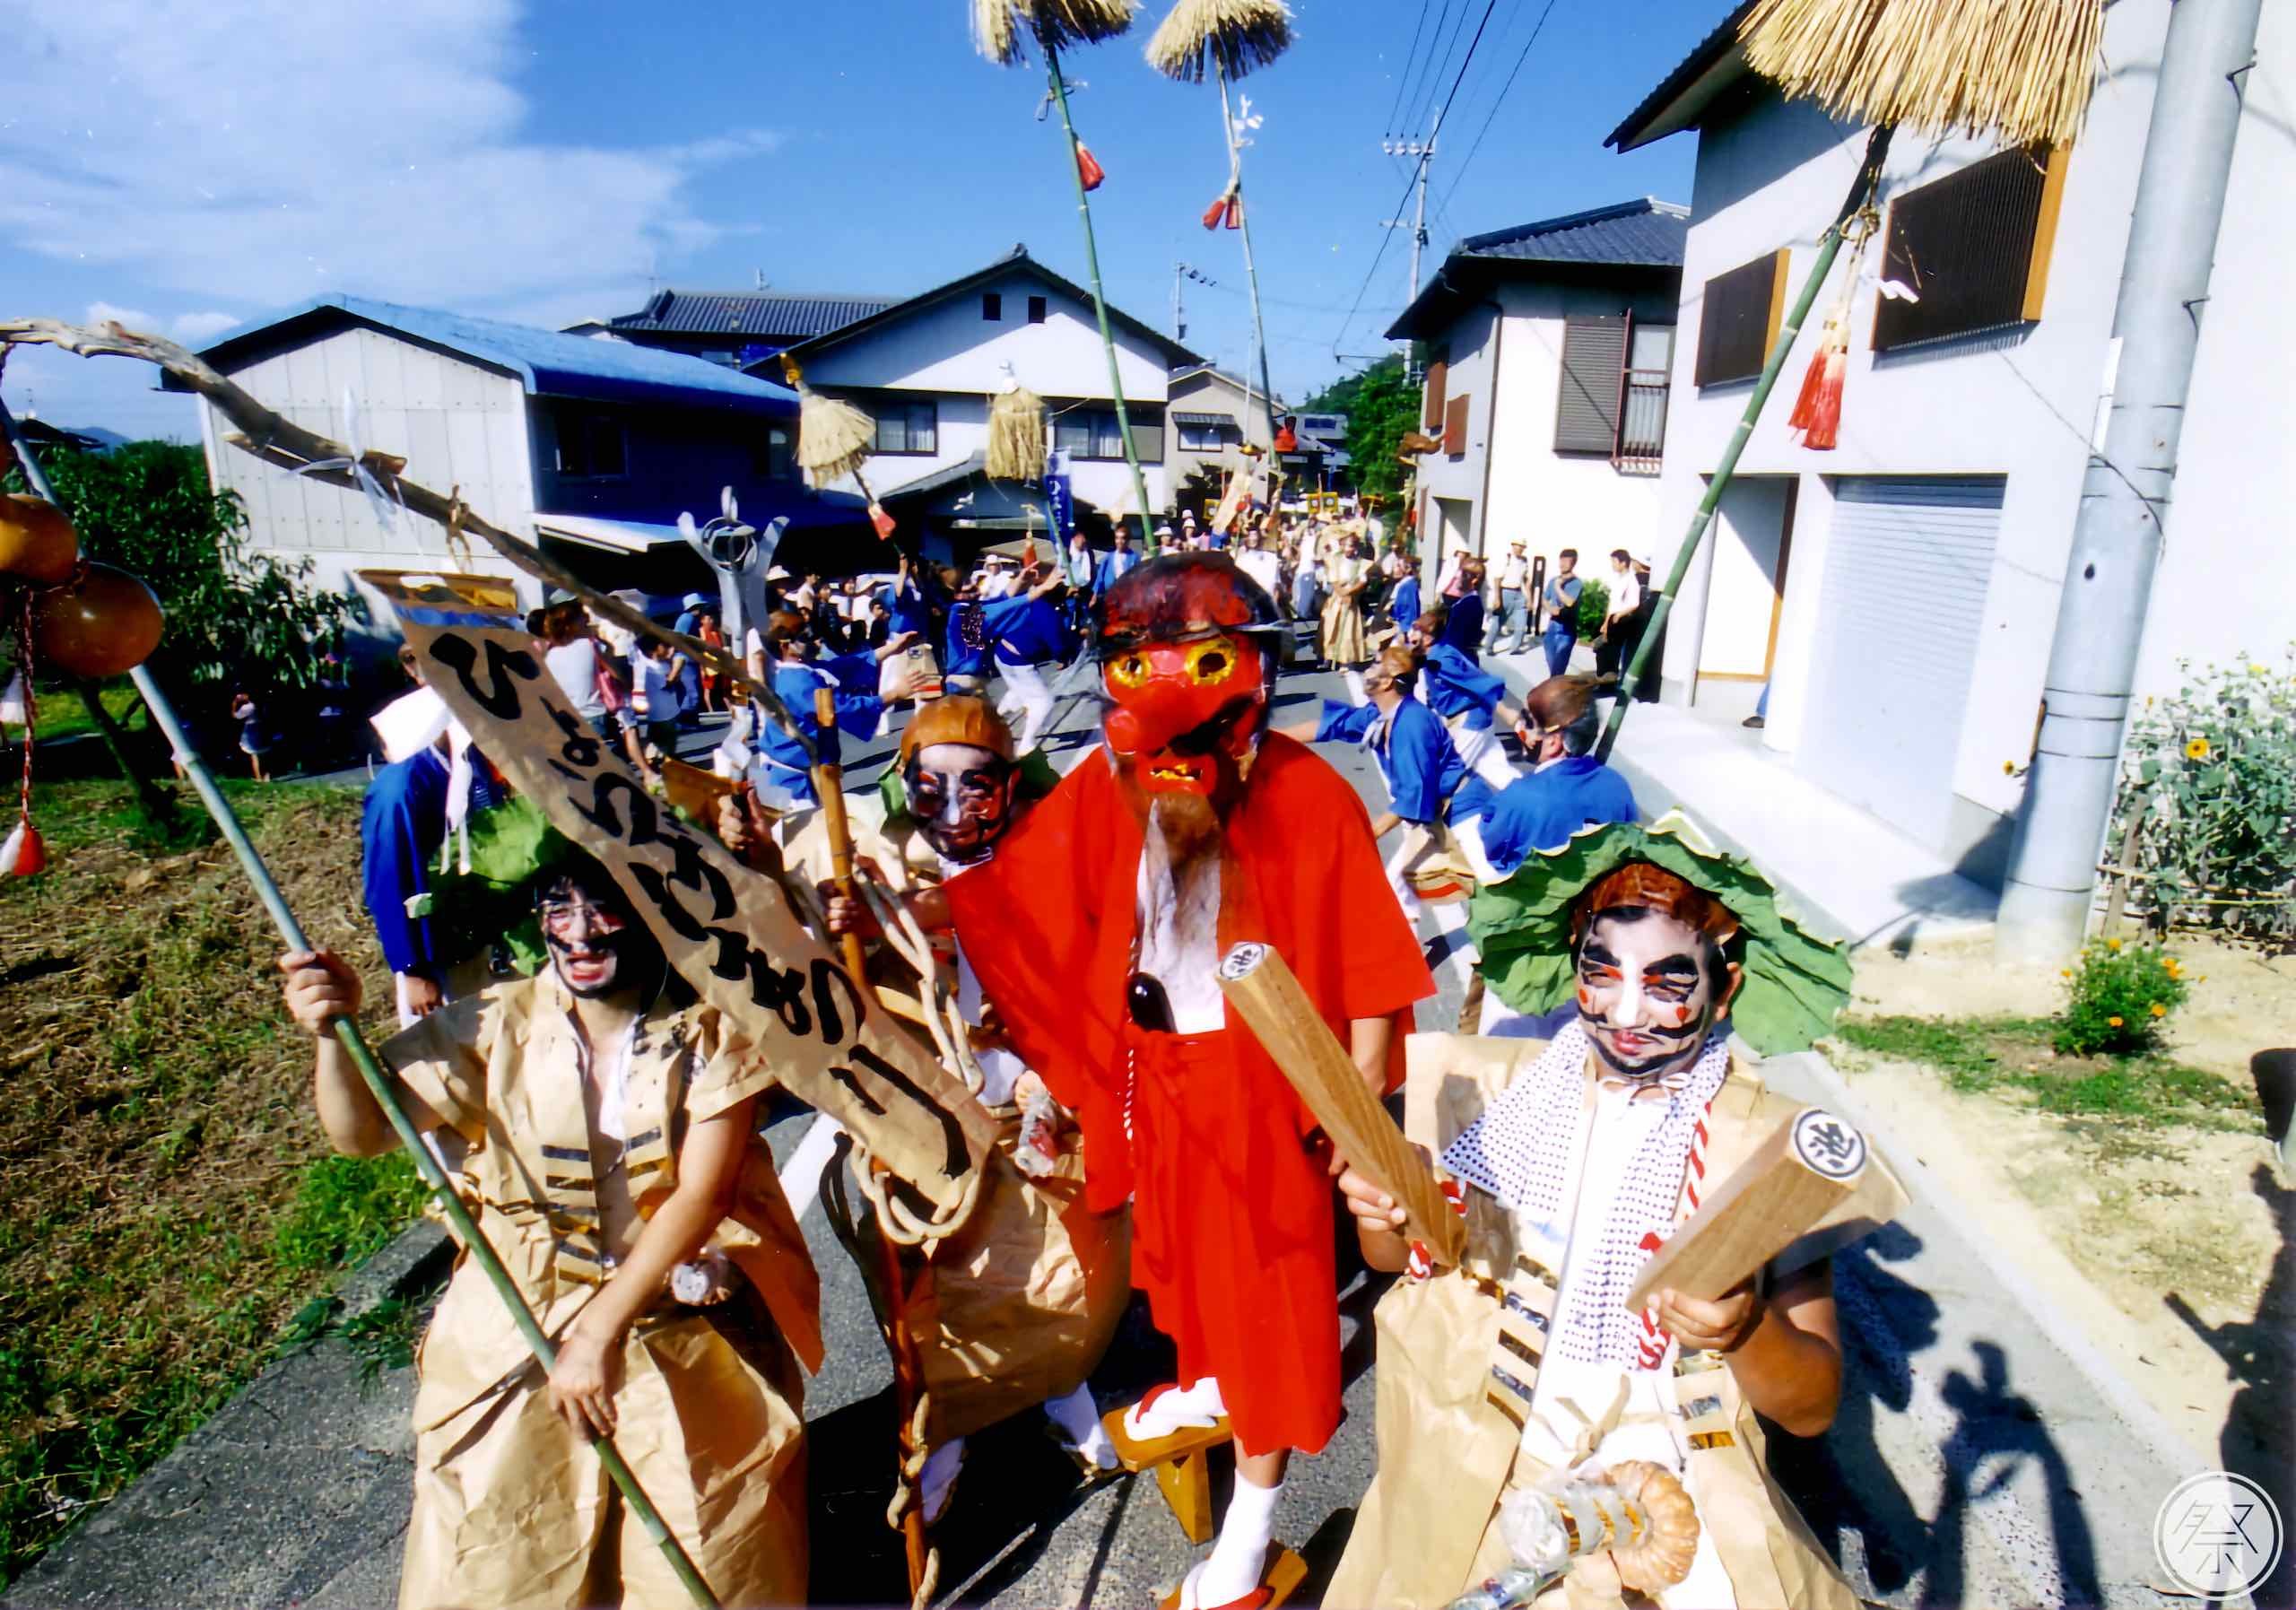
x=727 y=929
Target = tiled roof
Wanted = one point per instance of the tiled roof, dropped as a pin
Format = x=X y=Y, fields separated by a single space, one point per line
x=1648 y=233
x=789 y=314
x=548 y=362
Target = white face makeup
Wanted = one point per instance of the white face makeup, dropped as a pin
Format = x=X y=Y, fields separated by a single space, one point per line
x=1644 y=992
x=962 y=796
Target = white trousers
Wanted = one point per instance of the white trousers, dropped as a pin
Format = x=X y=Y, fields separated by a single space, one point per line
x=1025 y=690
x=1482 y=752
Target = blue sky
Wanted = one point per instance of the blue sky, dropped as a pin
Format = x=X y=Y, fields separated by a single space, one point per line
x=550 y=163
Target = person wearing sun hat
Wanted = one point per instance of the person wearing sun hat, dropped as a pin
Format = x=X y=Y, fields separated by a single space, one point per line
x=1574 y=1159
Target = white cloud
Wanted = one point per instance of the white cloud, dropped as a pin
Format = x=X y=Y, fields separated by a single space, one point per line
x=198 y=329
x=104 y=313
x=261 y=153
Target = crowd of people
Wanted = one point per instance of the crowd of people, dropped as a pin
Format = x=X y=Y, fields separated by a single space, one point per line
x=1153 y=1145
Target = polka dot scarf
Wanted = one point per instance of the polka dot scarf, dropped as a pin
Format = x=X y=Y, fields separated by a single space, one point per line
x=1519 y=1150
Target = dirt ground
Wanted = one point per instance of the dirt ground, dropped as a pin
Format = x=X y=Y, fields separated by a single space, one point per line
x=2168 y=1246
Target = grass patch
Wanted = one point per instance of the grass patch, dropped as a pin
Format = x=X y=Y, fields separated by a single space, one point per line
x=171 y=1202
x=2017 y=1054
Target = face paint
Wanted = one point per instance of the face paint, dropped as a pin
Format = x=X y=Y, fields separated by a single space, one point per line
x=962 y=796
x=1644 y=994
x=588 y=940
x=1188 y=715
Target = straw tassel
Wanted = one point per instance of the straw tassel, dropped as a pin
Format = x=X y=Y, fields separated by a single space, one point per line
x=1016 y=436
x=2017 y=70
x=1235 y=36
x=1001 y=28
x=834 y=438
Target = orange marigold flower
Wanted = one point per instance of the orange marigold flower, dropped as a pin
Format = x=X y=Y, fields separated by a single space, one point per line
x=2159 y=1010
x=2112 y=944
x=2114 y=1021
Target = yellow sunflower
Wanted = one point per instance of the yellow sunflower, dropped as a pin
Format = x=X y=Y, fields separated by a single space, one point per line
x=2197 y=750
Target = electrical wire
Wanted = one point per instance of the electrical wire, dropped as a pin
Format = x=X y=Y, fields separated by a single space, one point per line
x=1410 y=58
x=1387 y=234
x=1435 y=78
x=1477 y=144
x=1427 y=74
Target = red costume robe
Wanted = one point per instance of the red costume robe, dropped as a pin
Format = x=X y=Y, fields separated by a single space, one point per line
x=1232 y=1209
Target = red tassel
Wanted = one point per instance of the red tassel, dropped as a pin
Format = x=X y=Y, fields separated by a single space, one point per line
x=1235 y=211
x=1213 y=214
x=24 y=855
x=1087 y=170
x=882 y=521
x=1817 y=409
x=1029 y=554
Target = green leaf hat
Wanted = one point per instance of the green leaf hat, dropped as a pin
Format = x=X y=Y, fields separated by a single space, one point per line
x=1794 y=982
x=512 y=848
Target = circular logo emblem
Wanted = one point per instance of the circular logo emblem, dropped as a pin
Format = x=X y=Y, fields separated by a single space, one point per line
x=2217 y=1534
x=1826 y=1145
x=1243 y=961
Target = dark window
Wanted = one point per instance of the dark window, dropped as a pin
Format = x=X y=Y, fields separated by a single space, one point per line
x=1092 y=433
x=1739 y=320
x=1594 y=368
x=591 y=445
x=992 y=306
x=1438 y=370
x=1974 y=245
x=1455 y=427
x=1198 y=437
x=774 y=455
x=907 y=427
x=1036 y=309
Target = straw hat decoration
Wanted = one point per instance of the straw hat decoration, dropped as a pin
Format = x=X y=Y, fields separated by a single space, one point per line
x=834 y=438
x=2017 y=70
x=1001 y=29
x=1235 y=35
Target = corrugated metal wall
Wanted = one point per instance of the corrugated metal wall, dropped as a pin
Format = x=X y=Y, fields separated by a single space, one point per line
x=1907 y=570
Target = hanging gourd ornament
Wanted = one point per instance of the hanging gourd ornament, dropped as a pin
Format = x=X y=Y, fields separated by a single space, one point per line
x=37 y=542
x=104 y=623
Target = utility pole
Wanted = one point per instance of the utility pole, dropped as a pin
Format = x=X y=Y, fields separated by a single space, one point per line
x=1182 y=271
x=2101 y=615
x=1424 y=150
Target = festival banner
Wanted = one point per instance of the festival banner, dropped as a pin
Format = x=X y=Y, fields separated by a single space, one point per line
x=728 y=928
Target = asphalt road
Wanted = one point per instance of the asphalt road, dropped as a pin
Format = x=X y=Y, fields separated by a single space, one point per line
x=1977 y=1459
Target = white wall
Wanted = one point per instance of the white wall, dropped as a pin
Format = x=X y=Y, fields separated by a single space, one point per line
x=455 y=424
x=951 y=347
x=1546 y=499
x=2021 y=406
x=1741 y=596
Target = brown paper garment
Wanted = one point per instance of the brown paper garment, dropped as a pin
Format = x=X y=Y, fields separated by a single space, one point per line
x=1019 y=1304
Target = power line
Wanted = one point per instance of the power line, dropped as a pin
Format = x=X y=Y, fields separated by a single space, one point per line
x=1493 y=115
x=1410 y=57
x=1435 y=79
x=1409 y=113
x=1387 y=234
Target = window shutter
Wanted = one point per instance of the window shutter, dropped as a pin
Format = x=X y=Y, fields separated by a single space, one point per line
x=1147 y=436
x=1739 y=320
x=1455 y=427
x=1975 y=244
x=1438 y=371
x=1593 y=359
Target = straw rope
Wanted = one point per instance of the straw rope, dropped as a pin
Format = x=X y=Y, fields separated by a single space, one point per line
x=2019 y=71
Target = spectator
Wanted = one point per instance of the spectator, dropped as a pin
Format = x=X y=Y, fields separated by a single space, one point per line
x=1618 y=615
x=658 y=695
x=1115 y=563
x=575 y=664
x=1514 y=633
x=1562 y=601
x=713 y=683
x=254 y=740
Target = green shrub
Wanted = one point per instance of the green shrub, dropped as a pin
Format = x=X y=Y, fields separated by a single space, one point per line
x=2117 y=997
x=2210 y=780
x=1593 y=606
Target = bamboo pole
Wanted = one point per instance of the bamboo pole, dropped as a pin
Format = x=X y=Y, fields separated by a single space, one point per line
x=1251 y=273
x=1861 y=192
x=1100 y=297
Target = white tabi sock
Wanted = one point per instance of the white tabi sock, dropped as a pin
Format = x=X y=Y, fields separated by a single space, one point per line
x=1240 y=1554
x=1198 y=1405
x=939 y=1479
x=1079 y=1418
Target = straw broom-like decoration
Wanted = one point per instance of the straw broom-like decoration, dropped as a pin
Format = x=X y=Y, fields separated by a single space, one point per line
x=2017 y=70
x=1017 y=433
x=1232 y=36
x=834 y=440
x=1001 y=30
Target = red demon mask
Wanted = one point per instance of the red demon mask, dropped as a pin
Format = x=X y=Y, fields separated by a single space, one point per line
x=1183 y=658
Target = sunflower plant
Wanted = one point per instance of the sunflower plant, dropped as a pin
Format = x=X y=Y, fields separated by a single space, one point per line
x=2209 y=778
x=2118 y=999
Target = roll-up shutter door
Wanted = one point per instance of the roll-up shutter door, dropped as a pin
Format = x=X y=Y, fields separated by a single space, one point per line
x=1908 y=565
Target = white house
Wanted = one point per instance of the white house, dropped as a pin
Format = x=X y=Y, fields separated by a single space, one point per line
x=1899 y=592
x=589 y=446
x=925 y=370
x=1548 y=347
